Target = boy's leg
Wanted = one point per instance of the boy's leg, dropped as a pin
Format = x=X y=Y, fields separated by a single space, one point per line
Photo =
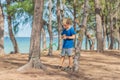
x=62 y=57
x=70 y=61
x=62 y=60
x=70 y=54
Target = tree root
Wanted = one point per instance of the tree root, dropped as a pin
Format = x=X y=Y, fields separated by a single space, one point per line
x=33 y=63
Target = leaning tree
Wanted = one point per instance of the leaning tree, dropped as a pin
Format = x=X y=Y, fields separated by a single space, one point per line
x=1 y=30
x=34 y=57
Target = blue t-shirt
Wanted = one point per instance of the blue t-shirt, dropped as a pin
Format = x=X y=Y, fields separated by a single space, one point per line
x=68 y=43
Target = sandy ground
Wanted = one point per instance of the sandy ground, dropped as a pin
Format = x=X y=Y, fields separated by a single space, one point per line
x=93 y=66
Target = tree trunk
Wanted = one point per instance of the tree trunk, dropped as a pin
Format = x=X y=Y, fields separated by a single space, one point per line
x=86 y=44
x=77 y=56
x=91 y=41
x=84 y=20
x=59 y=26
x=1 y=31
x=44 y=39
x=115 y=33
x=62 y=8
x=104 y=32
x=12 y=38
x=62 y=12
x=35 y=39
x=98 y=26
x=111 y=32
x=119 y=40
x=106 y=21
x=74 y=7
x=80 y=37
x=50 y=29
x=92 y=45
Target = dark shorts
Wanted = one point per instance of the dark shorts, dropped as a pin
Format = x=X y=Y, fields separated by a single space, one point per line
x=67 y=51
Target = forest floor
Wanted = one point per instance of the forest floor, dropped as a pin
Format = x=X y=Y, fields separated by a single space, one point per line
x=93 y=66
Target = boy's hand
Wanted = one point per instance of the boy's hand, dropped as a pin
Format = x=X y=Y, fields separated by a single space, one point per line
x=64 y=37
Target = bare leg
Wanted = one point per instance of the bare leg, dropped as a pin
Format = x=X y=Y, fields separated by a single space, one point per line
x=62 y=60
x=70 y=61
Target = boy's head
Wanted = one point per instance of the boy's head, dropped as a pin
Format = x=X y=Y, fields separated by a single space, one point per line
x=67 y=22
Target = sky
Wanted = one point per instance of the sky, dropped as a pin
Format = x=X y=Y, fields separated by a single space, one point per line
x=25 y=30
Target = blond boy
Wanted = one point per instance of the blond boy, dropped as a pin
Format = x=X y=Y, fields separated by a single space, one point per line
x=68 y=34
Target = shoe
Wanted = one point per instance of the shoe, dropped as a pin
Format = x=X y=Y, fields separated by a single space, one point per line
x=69 y=68
x=59 y=67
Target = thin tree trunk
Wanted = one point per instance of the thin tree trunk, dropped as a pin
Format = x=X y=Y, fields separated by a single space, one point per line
x=80 y=37
x=50 y=29
x=111 y=32
x=108 y=41
x=77 y=56
x=35 y=39
x=98 y=26
x=106 y=18
x=104 y=32
x=115 y=33
x=119 y=40
x=86 y=44
x=12 y=38
x=91 y=41
x=59 y=26
x=92 y=45
x=84 y=21
x=1 y=31
x=62 y=12
x=74 y=7
x=44 y=39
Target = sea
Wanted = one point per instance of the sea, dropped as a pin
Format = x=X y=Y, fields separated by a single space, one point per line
x=24 y=44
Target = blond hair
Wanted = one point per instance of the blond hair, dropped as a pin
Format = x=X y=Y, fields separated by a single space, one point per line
x=67 y=21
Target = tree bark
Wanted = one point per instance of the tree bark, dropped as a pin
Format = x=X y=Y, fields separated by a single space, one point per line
x=35 y=39
x=59 y=26
x=77 y=56
x=111 y=32
x=84 y=20
x=119 y=40
x=12 y=37
x=80 y=37
x=86 y=44
x=44 y=39
x=1 y=31
x=50 y=29
x=98 y=26
x=106 y=18
x=62 y=12
x=92 y=45
x=104 y=32
x=91 y=41
x=74 y=8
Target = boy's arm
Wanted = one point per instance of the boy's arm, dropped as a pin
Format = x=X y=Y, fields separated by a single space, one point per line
x=63 y=36
x=70 y=37
x=73 y=34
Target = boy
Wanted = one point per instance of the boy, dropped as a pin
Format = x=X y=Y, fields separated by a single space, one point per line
x=68 y=34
